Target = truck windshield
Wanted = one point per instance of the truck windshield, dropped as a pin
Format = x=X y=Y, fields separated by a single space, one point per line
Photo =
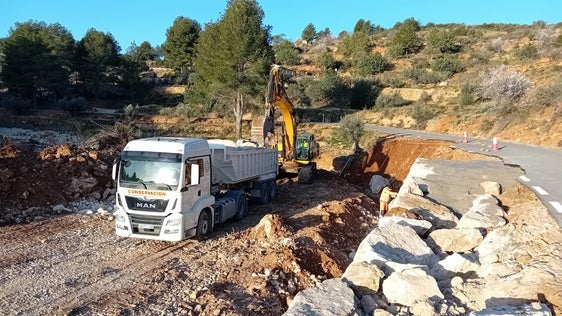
x=150 y=170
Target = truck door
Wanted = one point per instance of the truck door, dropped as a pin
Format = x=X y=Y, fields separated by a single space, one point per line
x=196 y=181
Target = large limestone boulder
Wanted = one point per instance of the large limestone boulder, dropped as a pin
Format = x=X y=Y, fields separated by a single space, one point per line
x=377 y=183
x=396 y=243
x=331 y=297
x=484 y=213
x=438 y=215
x=453 y=265
x=409 y=286
x=363 y=277
x=421 y=227
x=534 y=309
x=455 y=240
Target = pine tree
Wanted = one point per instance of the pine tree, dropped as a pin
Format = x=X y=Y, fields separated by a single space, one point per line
x=179 y=47
x=37 y=57
x=97 y=59
x=233 y=59
x=309 y=33
x=405 y=41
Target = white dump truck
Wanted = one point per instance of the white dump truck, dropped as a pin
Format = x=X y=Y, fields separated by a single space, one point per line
x=171 y=188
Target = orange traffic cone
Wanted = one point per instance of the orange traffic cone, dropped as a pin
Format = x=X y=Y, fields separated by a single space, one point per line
x=465 y=138
x=495 y=144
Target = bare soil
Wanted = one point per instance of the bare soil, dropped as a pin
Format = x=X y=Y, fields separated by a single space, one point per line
x=73 y=264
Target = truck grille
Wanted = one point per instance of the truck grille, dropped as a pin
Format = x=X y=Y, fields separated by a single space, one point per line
x=155 y=205
x=146 y=225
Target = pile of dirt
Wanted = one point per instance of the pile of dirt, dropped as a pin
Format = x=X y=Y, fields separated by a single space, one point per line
x=33 y=180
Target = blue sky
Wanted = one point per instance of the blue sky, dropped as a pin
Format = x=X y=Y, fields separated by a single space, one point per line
x=142 y=20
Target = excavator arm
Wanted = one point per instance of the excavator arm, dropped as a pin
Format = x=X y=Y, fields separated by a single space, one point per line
x=275 y=95
x=291 y=158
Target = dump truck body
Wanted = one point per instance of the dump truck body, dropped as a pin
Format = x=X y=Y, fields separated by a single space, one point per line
x=171 y=188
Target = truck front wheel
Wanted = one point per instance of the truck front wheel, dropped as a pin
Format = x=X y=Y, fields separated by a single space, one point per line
x=242 y=205
x=204 y=225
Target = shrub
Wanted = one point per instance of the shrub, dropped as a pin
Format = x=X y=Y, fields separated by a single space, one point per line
x=393 y=82
x=286 y=53
x=296 y=92
x=351 y=129
x=330 y=89
x=443 y=41
x=405 y=41
x=392 y=100
x=527 y=52
x=363 y=94
x=325 y=61
x=366 y=64
x=183 y=109
x=549 y=95
x=422 y=114
x=72 y=104
x=467 y=95
x=116 y=136
x=486 y=125
x=547 y=39
x=130 y=112
x=497 y=45
x=447 y=64
x=503 y=85
x=15 y=104
x=422 y=76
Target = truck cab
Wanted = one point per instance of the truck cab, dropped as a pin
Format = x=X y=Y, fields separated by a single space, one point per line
x=174 y=188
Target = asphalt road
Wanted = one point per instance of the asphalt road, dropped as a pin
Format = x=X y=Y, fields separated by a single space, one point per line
x=542 y=166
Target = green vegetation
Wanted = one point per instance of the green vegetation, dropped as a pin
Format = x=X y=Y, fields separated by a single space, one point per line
x=495 y=69
x=309 y=33
x=406 y=41
x=285 y=52
x=351 y=130
x=179 y=47
x=391 y=100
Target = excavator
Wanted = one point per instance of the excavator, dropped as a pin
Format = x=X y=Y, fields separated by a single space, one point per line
x=296 y=151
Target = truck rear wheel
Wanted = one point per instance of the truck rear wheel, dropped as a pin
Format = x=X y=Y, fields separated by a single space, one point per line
x=272 y=189
x=307 y=173
x=242 y=205
x=204 y=225
x=265 y=192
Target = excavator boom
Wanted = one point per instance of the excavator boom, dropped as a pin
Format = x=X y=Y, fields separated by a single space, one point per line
x=275 y=95
x=296 y=151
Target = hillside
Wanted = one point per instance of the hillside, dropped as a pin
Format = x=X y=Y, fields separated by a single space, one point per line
x=457 y=104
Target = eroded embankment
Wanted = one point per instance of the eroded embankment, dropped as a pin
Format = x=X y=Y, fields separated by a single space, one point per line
x=449 y=257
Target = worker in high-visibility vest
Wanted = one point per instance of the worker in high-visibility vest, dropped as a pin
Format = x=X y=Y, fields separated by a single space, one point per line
x=386 y=196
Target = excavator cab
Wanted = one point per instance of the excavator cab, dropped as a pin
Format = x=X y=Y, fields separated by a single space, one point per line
x=307 y=148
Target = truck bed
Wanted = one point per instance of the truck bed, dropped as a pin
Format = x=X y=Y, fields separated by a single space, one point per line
x=234 y=163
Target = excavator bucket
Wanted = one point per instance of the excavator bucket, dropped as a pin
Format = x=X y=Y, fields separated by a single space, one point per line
x=262 y=131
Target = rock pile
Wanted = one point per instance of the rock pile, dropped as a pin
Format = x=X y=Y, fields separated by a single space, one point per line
x=450 y=261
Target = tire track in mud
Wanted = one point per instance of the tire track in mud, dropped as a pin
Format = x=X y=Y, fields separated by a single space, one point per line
x=69 y=261
x=106 y=280
x=117 y=279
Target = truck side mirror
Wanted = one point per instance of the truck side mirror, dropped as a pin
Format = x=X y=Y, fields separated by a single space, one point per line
x=114 y=170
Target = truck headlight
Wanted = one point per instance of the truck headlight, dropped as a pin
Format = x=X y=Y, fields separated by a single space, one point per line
x=173 y=222
x=119 y=218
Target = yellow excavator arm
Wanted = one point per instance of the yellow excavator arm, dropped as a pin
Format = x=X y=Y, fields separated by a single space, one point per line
x=275 y=95
x=296 y=152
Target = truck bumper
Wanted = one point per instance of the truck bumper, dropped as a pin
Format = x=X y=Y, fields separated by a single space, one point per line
x=169 y=228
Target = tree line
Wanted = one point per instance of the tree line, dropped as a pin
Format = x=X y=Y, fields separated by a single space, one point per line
x=225 y=64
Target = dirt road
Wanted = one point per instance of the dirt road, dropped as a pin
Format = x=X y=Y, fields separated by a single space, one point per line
x=75 y=264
